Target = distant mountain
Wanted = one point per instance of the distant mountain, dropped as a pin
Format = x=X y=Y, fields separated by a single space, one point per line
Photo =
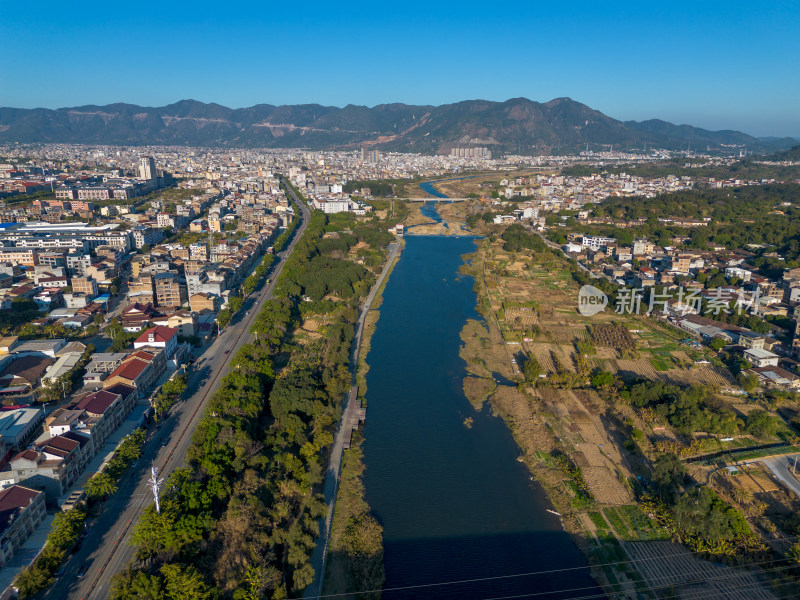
x=790 y=154
x=516 y=125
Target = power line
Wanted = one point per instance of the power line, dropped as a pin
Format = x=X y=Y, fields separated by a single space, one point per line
x=533 y=573
x=753 y=585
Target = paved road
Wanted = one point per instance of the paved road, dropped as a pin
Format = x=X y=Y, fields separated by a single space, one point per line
x=107 y=550
x=781 y=467
x=352 y=405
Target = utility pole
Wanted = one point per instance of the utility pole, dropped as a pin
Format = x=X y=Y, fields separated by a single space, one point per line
x=154 y=483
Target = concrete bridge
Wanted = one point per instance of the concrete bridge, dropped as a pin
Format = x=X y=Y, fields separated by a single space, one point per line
x=435 y=199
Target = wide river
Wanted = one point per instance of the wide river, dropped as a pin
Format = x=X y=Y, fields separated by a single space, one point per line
x=454 y=501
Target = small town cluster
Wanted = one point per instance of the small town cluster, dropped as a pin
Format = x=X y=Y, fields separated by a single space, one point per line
x=688 y=302
x=112 y=280
x=541 y=194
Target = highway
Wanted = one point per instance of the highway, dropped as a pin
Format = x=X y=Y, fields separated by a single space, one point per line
x=107 y=550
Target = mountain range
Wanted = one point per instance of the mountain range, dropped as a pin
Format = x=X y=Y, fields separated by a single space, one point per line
x=516 y=125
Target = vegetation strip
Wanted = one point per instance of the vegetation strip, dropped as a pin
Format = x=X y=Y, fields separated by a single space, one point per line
x=355 y=556
x=241 y=519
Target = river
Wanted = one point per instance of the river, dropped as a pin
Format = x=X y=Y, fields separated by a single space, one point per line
x=454 y=502
x=428 y=186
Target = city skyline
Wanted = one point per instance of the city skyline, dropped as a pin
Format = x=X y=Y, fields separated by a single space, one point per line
x=715 y=66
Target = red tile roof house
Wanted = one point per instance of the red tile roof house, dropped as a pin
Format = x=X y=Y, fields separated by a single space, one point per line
x=21 y=511
x=154 y=355
x=105 y=412
x=51 y=466
x=159 y=337
x=140 y=370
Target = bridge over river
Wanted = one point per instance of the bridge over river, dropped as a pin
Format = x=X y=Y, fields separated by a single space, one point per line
x=435 y=199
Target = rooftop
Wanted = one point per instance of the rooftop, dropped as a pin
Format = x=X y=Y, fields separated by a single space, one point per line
x=759 y=353
x=97 y=403
x=158 y=334
x=130 y=369
x=13 y=500
x=14 y=421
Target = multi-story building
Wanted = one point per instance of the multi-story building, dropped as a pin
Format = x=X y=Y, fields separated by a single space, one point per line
x=23 y=509
x=595 y=242
x=52 y=259
x=165 y=220
x=146 y=236
x=198 y=251
x=681 y=263
x=202 y=301
x=643 y=247
x=159 y=337
x=138 y=371
x=113 y=254
x=209 y=281
x=139 y=262
x=101 y=364
x=78 y=263
x=105 y=412
x=140 y=290
x=168 y=289
x=147 y=168
x=18 y=426
x=184 y=321
x=95 y=193
x=52 y=465
x=66 y=193
x=26 y=257
x=85 y=285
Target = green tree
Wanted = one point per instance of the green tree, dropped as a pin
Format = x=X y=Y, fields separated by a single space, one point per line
x=32 y=580
x=224 y=318
x=66 y=527
x=101 y=485
x=761 y=424
x=532 y=369
x=794 y=553
x=747 y=382
x=184 y=582
x=603 y=380
x=717 y=343
x=669 y=475
x=136 y=585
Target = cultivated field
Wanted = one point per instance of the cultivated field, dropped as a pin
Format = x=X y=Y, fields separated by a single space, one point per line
x=579 y=444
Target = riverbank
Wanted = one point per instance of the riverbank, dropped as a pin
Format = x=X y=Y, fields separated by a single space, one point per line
x=355 y=554
x=533 y=423
x=451 y=221
x=593 y=450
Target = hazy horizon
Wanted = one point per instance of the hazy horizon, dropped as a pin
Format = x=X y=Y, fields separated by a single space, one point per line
x=716 y=65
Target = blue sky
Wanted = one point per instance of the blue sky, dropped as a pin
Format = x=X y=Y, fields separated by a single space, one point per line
x=720 y=65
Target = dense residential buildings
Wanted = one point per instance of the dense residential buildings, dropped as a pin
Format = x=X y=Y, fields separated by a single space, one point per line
x=21 y=511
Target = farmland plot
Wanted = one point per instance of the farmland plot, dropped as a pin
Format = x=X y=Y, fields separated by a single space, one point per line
x=669 y=568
